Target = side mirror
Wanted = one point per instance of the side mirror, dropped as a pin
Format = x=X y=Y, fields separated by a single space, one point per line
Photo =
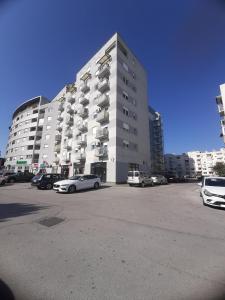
x=81 y=179
x=199 y=184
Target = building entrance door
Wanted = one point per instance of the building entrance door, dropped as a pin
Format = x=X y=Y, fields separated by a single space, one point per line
x=99 y=169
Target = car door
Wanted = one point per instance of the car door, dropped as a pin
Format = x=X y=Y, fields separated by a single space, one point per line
x=87 y=181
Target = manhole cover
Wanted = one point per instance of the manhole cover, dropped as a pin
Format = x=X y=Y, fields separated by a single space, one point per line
x=50 y=221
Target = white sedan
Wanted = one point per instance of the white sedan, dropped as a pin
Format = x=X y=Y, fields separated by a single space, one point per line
x=77 y=182
x=213 y=191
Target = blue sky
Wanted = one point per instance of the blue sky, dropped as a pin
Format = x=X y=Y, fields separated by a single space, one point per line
x=181 y=43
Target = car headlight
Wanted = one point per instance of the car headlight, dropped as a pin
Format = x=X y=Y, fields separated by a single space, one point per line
x=207 y=193
x=64 y=185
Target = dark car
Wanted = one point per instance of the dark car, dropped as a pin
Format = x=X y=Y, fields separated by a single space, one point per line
x=20 y=177
x=46 y=181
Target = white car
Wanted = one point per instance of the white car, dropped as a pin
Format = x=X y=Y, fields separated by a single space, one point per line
x=77 y=182
x=3 y=180
x=213 y=191
x=139 y=178
x=159 y=179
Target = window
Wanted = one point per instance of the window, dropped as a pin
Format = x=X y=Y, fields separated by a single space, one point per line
x=125 y=66
x=125 y=144
x=126 y=126
x=48 y=127
x=32 y=128
x=33 y=120
x=29 y=156
x=49 y=119
x=31 y=138
x=35 y=111
x=125 y=95
x=47 y=137
x=125 y=80
x=28 y=113
x=37 y=147
x=134 y=116
x=125 y=111
x=30 y=147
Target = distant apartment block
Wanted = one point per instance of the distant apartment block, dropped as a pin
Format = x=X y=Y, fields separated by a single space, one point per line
x=220 y=100
x=194 y=163
x=98 y=124
x=156 y=142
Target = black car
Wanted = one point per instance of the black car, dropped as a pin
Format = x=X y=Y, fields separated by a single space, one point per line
x=20 y=177
x=46 y=181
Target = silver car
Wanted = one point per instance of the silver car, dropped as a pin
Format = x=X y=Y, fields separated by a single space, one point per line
x=159 y=179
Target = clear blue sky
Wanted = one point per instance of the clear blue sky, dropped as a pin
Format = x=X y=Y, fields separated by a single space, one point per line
x=181 y=43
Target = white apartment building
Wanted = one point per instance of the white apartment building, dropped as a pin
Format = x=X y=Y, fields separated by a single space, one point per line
x=98 y=124
x=220 y=100
x=194 y=163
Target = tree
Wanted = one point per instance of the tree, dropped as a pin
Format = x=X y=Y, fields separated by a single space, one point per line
x=219 y=169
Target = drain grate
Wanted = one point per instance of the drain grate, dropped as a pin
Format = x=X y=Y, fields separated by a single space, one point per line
x=48 y=222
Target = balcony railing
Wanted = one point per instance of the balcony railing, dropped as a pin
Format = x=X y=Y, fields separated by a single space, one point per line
x=83 y=100
x=103 y=85
x=69 y=121
x=102 y=133
x=67 y=146
x=69 y=109
x=70 y=98
x=81 y=141
x=82 y=126
x=84 y=87
x=69 y=133
x=103 y=117
x=59 y=128
x=104 y=71
x=82 y=112
x=101 y=152
x=59 y=118
x=103 y=100
x=80 y=156
x=58 y=137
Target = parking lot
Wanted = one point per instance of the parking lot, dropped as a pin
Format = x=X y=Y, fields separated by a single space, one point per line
x=118 y=242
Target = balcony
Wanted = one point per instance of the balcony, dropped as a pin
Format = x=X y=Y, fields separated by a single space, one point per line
x=69 y=109
x=59 y=128
x=82 y=141
x=61 y=107
x=82 y=126
x=70 y=99
x=69 y=120
x=58 y=137
x=103 y=117
x=57 y=148
x=69 y=133
x=101 y=152
x=84 y=88
x=103 y=85
x=82 y=112
x=219 y=99
x=104 y=71
x=103 y=100
x=59 y=118
x=67 y=146
x=83 y=100
x=80 y=156
x=102 y=133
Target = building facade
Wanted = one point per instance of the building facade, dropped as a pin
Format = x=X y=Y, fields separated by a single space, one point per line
x=194 y=163
x=156 y=142
x=98 y=124
x=220 y=100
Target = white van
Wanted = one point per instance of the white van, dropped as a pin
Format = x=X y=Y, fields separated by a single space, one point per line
x=139 y=178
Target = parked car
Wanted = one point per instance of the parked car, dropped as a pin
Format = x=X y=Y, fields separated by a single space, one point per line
x=213 y=191
x=159 y=179
x=139 y=178
x=2 y=180
x=77 y=182
x=20 y=177
x=46 y=181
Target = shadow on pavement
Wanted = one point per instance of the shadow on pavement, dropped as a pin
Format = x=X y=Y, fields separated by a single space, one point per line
x=5 y=292
x=13 y=210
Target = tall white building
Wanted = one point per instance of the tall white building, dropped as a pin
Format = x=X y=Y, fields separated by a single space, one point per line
x=98 y=124
x=194 y=163
x=220 y=100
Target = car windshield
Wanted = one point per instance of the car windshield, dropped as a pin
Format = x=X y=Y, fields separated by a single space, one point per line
x=133 y=174
x=38 y=176
x=74 y=178
x=215 y=182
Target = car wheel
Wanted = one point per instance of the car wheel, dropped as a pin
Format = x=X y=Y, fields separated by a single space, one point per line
x=152 y=183
x=96 y=185
x=72 y=189
x=39 y=188
x=11 y=180
x=3 y=182
x=130 y=184
x=142 y=184
x=49 y=186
